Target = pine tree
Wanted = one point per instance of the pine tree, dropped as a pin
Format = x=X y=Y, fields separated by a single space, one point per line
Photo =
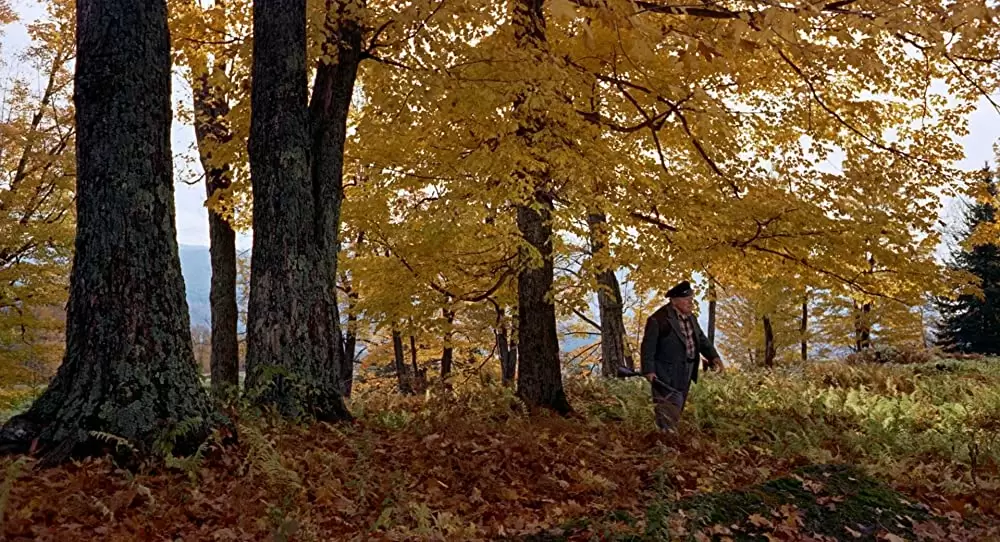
x=971 y=322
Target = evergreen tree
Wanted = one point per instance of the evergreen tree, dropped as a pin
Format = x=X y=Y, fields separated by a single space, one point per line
x=971 y=323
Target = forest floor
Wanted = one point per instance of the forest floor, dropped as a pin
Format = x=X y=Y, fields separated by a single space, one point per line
x=824 y=452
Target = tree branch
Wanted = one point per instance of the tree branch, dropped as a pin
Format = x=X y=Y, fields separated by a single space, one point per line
x=584 y=317
x=713 y=12
x=654 y=221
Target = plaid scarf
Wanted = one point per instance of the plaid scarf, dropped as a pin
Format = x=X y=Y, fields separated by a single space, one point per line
x=688 y=328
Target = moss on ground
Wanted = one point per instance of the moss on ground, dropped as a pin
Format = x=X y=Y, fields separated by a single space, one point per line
x=837 y=501
x=827 y=499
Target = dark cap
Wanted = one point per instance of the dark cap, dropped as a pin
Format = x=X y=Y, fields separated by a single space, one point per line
x=681 y=290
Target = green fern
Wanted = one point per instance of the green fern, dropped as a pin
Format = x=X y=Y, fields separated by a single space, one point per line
x=120 y=443
x=13 y=471
x=264 y=461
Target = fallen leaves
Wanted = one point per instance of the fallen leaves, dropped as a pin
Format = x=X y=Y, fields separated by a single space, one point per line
x=457 y=472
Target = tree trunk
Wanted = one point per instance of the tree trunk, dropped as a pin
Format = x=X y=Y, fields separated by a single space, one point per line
x=211 y=108
x=506 y=350
x=333 y=89
x=129 y=369
x=346 y=371
x=609 y=300
x=769 y=349
x=294 y=343
x=713 y=299
x=448 y=353
x=413 y=354
x=804 y=329
x=866 y=333
x=539 y=375
x=402 y=374
x=862 y=327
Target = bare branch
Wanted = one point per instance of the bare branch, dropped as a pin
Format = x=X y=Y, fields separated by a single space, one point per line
x=586 y=319
x=707 y=12
x=653 y=220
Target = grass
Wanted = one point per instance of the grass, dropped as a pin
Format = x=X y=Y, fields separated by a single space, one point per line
x=827 y=451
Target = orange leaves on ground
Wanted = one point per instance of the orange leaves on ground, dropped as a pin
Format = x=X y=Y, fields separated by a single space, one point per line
x=466 y=466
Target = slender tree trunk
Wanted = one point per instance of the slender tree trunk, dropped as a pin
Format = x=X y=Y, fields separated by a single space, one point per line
x=804 y=329
x=402 y=374
x=923 y=328
x=712 y=303
x=862 y=326
x=413 y=355
x=539 y=375
x=506 y=350
x=294 y=342
x=448 y=353
x=769 y=349
x=129 y=369
x=333 y=90
x=346 y=371
x=609 y=299
x=510 y=369
x=866 y=332
x=211 y=108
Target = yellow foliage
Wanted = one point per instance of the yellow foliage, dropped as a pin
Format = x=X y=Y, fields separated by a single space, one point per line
x=37 y=183
x=760 y=140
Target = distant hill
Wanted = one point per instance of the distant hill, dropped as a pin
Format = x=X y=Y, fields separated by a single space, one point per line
x=196 y=266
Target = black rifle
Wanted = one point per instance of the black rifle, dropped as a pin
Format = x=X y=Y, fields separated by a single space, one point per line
x=625 y=372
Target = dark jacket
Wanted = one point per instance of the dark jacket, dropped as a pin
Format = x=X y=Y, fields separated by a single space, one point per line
x=663 y=350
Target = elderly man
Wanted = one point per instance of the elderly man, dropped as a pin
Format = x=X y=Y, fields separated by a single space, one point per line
x=672 y=345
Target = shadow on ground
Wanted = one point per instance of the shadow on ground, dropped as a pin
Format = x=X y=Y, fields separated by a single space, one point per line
x=819 y=502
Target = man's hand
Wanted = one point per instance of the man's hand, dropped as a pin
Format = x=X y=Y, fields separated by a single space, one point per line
x=651 y=376
x=718 y=365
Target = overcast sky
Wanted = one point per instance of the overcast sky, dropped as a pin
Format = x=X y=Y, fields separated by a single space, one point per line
x=192 y=217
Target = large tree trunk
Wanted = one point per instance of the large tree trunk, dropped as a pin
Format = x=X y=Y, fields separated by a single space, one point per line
x=294 y=344
x=539 y=376
x=402 y=374
x=129 y=369
x=804 y=329
x=770 y=352
x=609 y=300
x=210 y=109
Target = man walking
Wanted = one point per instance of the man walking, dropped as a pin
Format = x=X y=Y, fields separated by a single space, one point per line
x=672 y=346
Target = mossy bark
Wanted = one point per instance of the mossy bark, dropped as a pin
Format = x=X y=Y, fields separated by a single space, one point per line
x=294 y=343
x=129 y=369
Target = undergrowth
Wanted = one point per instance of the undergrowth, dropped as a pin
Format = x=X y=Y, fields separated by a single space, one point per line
x=471 y=464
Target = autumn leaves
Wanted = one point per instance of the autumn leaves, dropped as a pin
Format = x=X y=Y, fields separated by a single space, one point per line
x=439 y=163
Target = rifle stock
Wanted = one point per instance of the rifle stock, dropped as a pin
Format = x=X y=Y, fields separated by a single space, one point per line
x=625 y=372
